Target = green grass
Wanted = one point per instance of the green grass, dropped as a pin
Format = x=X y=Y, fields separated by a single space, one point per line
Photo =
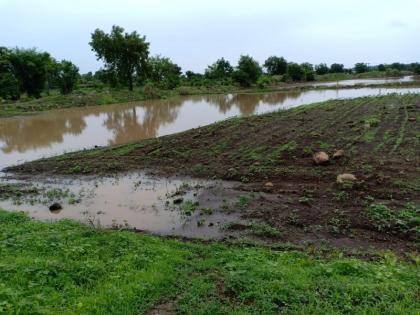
x=69 y=268
x=407 y=220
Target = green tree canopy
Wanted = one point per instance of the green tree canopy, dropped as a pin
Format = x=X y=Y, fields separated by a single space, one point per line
x=361 y=67
x=30 y=67
x=9 y=84
x=247 y=72
x=164 y=72
x=219 y=70
x=337 y=68
x=275 y=65
x=322 y=68
x=295 y=71
x=308 y=70
x=123 y=53
x=67 y=76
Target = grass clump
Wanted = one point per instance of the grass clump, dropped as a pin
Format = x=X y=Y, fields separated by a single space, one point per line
x=404 y=221
x=69 y=268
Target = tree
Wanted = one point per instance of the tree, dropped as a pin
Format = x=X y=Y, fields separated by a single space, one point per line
x=397 y=66
x=67 y=76
x=308 y=70
x=123 y=53
x=164 y=72
x=107 y=76
x=219 y=70
x=9 y=84
x=337 y=68
x=415 y=67
x=321 y=69
x=275 y=65
x=295 y=71
x=247 y=72
x=381 y=67
x=360 y=67
x=30 y=68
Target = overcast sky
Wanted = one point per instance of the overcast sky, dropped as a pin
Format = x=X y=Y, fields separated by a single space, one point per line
x=195 y=33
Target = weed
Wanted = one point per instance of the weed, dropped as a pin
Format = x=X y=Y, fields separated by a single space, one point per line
x=188 y=207
x=243 y=201
x=341 y=196
x=405 y=221
x=339 y=222
x=265 y=230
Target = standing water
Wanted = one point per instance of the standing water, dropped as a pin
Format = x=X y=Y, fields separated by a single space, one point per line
x=173 y=206
x=26 y=138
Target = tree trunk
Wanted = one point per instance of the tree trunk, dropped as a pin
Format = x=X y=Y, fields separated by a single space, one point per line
x=130 y=83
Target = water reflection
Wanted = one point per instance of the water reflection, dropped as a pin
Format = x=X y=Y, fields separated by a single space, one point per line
x=25 y=134
x=141 y=122
x=55 y=132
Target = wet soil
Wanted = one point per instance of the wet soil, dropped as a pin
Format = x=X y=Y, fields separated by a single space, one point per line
x=271 y=155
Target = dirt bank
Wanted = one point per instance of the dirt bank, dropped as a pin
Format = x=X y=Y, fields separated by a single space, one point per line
x=273 y=154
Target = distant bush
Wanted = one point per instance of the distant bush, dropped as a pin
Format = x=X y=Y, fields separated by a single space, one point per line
x=321 y=69
x=219 y=70
x=164 y=72
x=337 y=68
x=247 y=72
x=275 y=65
x=361 y=67
x=295 y=72
x=67 y=76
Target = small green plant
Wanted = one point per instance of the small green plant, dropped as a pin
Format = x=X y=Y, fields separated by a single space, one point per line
x=189 y=207
x=367 y=169
x=324 y=145
x=243 y=201
x=371 y=121
x=404 y=221
x=341 y=196
x=339 y=222
x=293 y=218
x=265 y=230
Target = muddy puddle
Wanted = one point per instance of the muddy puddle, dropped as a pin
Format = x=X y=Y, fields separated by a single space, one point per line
x=55 y=132
x=175 y=206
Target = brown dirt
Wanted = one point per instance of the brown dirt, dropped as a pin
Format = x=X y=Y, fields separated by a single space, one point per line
x=381 y=145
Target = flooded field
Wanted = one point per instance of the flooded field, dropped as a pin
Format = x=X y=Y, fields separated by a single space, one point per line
x=170 y=206
x=55 y=132
x=364 y=81
x=165 y=206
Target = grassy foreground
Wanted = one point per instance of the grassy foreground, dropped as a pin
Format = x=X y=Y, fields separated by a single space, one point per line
x=69 y=268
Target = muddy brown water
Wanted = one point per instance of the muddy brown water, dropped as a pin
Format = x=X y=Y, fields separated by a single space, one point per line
x=137 y=200
x=166 y=206
x=364 y=81
x=51 y=133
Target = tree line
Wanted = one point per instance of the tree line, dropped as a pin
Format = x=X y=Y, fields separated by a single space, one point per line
x=31 y=72
x=127 y=62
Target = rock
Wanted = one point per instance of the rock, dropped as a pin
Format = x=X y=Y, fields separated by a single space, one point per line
x=412 y=119
x=320 y=158
x=268 y=185
x=338 y=154
x=55 y=207
x=346 y=177
x=177 y=201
